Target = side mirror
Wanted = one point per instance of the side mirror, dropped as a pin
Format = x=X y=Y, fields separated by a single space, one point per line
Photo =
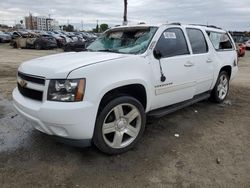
x=157 y=54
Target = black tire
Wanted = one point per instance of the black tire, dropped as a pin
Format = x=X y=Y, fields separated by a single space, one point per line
x=215 y=96
x=105 y=112
x=38 y=46
x=67 y=48
x=14 y=45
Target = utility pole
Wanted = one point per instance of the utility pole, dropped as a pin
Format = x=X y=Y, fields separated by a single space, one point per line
x=125 y=20
x=82 y=24
x=97 y=26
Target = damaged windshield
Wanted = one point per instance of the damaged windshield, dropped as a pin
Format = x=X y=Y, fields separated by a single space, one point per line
x=124 y=40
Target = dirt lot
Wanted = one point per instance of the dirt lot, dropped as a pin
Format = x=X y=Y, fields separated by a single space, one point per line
x=213 y=149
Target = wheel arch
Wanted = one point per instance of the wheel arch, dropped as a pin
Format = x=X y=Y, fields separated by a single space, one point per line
x=227 y=69
x=136 y=90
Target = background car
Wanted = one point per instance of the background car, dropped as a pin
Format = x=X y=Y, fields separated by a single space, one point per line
x=45 y=42
x=241 y=49
x=69 y=41
x=35 y=41
x=247 y=43
x=4 y=37
x=75 y=46
x=240 y=40
x=59 y=40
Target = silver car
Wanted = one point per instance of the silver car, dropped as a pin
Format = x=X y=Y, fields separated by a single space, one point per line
x=4 y=37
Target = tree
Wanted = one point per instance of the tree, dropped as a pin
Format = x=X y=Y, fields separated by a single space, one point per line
x=68 y=28
x=103 y=27
x=125 y=20
x=21 y=21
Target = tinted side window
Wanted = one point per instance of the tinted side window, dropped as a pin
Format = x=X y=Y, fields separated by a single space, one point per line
x=198 y=41
x=172 y=43
x=221 y=41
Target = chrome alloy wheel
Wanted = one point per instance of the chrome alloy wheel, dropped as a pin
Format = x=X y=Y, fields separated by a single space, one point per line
x=222 y=87
x=121 y=126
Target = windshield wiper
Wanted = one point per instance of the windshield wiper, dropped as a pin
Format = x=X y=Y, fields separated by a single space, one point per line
x=108 y=50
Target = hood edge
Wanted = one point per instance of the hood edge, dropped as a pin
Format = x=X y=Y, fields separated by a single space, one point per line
x=92 y=64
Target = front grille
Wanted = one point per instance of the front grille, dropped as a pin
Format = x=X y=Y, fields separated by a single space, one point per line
x=27 y=89
x=30 y=93
x=30 y=78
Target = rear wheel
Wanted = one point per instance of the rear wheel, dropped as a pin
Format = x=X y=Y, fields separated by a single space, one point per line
x=38 y=46
x=15 y=45
x=221 y=88
x=119 y=125
x=67 y=48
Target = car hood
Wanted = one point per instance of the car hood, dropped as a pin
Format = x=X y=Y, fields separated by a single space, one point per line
x=59 y=65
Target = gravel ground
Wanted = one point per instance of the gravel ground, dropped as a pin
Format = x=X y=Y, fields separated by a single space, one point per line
x=212 y=149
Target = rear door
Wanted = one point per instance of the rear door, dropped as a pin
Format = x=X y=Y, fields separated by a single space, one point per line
x=203 y=60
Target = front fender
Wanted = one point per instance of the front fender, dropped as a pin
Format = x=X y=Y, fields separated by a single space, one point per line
x=126 y=83
x=103 y=77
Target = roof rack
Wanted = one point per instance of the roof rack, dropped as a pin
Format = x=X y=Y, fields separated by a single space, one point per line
x=175 y=23
x=212 y=26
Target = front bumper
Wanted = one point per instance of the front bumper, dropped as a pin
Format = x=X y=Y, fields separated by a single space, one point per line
x=74 y=120
x=5 y=39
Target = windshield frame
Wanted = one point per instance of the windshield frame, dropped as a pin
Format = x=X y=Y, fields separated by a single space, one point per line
x=122 y=29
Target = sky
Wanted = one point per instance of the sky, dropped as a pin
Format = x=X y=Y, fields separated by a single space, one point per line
x=229 y=14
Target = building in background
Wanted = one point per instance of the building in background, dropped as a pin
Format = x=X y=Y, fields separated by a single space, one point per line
x=30 y=22
x=52 y=24
x=41 y=23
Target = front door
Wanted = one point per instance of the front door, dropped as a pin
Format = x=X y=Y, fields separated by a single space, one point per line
x=177 y=67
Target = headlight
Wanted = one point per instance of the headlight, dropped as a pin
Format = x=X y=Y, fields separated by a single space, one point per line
x=66 y=90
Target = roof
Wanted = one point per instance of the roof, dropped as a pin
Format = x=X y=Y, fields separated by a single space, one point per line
x=207 y=27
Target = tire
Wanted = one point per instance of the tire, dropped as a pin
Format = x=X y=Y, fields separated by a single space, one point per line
x=119 y=125
x=15 y=45
x=221 y=88
x=67 y=48
x=38 y=46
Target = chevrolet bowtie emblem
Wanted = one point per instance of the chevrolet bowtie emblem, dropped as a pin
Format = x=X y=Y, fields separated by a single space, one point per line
x=22 y=83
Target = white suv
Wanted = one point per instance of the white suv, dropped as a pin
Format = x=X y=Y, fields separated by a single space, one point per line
x=103 y=95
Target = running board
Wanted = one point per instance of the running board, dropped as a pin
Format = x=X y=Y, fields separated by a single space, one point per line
x=172 y=108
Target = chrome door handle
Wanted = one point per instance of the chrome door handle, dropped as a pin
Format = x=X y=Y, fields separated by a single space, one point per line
x=188 y=64
x=209 y=61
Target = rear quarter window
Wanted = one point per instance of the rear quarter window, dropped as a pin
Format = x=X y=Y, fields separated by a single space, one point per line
x=220 y=41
